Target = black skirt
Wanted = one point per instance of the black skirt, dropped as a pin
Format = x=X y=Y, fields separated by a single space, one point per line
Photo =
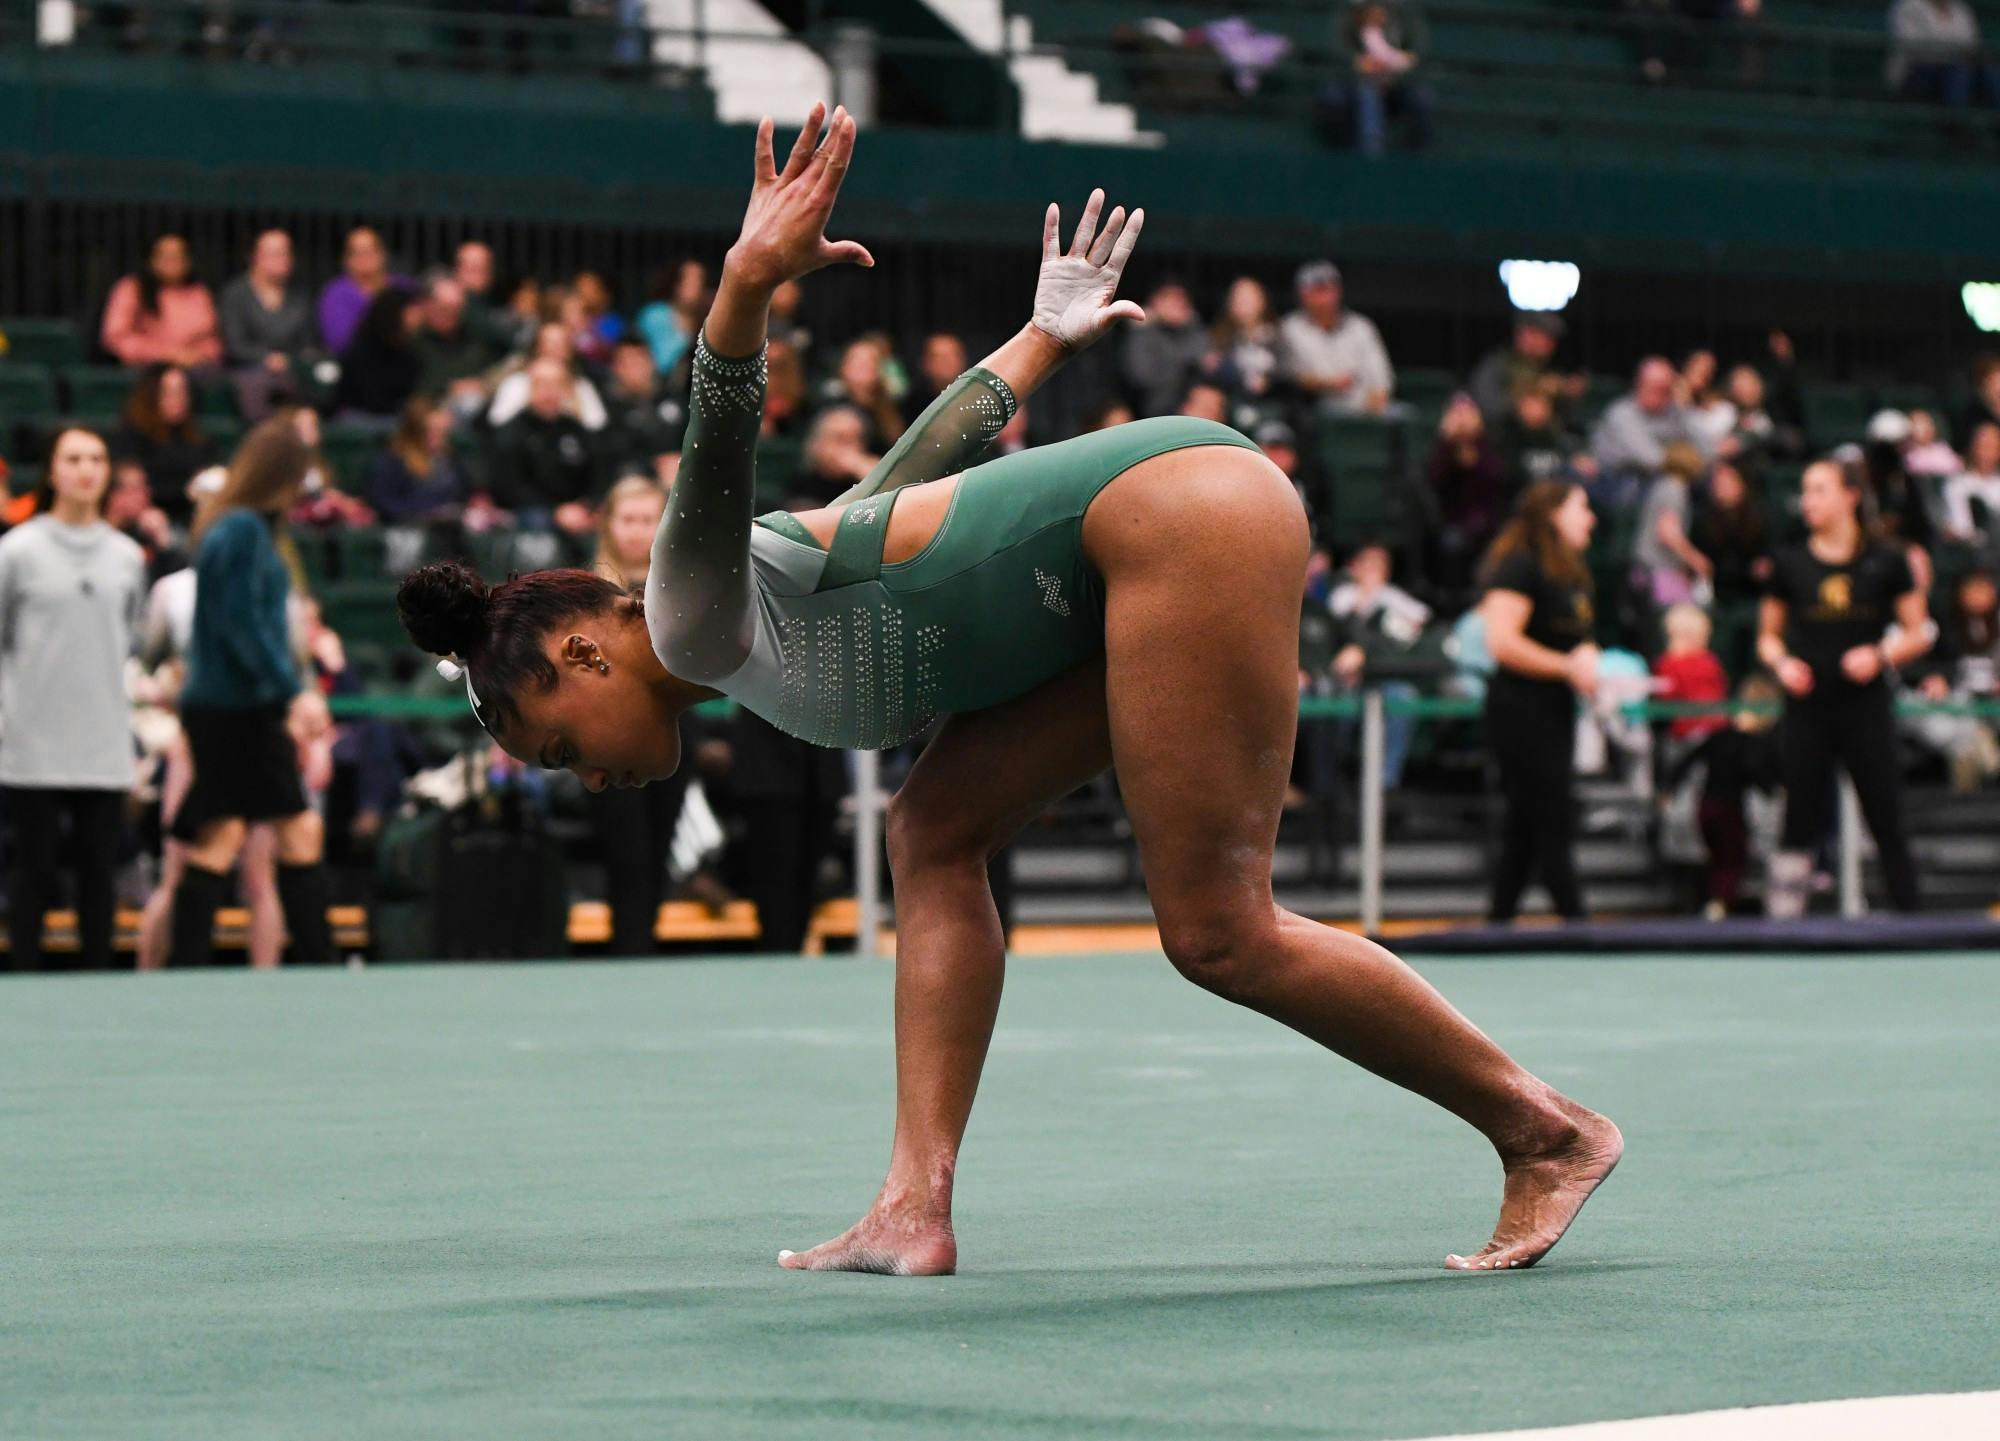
x=246 y=767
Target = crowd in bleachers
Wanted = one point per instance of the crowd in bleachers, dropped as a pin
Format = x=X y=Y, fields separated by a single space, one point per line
x=538 y=422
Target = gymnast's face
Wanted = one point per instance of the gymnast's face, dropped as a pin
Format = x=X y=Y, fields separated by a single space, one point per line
x=609 y=727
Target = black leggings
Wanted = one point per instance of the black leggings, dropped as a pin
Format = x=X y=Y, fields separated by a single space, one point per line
x=635 y=833
x=1532 y=734
x=35 y=847
x=1854 y=726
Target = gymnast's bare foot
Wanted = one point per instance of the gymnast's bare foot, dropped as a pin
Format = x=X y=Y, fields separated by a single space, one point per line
x=891 y=1240
x=1546 y=1186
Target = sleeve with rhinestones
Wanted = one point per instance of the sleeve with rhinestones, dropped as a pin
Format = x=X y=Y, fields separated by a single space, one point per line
x=698 y=588
x=951 y=434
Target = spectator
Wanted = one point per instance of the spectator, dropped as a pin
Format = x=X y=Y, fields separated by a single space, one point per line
x=1667 y=568
x=243 y=710
x=345 y=299
x=1163 y=355
x=836 y=455
x=1688 y=671
x=1110 y=413
x=129 y=510
x=1510 y=371
x=1728 y=528
x=1759 y=435
x=1534 y=443
x=676 y=303
x=786 y=404
x=1205 y=401
x=580 y=399
x=1539 y=620
x=544 y=467
x=1377 y=621
x=1965 y=666
x=1740 y=755
x=1280 y=444
x=1925 y=453
x=863 y=382
x=1629 y=443
x=70 y=592
x=1332 y=354
x=1711 y=416
x=267 y=327
x=943 y=361
x=1843 y=611
x=451 y=355
x=158 y=435
x=1243 y=343
x=1469 y=493
x=162 y=316
x=1935 y=54
x=321 y=501
x=380 y=366
x=416 y=479
x=602 y=326
x=1896 y=506
x=1972 y=497
x=643 y=435
x=1985 y=405
x=472 y=268
x=626 y=525
x=785 y=324
x=1384 y=87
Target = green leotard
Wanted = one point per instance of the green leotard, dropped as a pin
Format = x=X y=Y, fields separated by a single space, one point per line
x=842 y=650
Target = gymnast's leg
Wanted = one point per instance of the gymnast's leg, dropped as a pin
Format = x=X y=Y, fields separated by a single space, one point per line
x=1203 y=553
x=985 y=776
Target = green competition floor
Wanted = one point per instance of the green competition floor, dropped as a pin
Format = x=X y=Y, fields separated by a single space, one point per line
x=545 y=1201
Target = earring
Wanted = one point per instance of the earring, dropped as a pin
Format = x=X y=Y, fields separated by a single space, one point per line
x=604 y=667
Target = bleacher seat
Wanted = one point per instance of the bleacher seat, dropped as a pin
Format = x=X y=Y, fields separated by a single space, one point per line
x=97 y=389
x=52 y=343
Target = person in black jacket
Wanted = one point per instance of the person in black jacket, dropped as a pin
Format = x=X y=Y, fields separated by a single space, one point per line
x=1841 y=611
x=544 y=463
x=380 y=367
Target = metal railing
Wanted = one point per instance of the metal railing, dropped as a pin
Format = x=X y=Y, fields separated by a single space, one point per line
x=1371 y=707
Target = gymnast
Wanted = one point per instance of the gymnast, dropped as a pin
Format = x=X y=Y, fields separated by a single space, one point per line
x=1127 y=598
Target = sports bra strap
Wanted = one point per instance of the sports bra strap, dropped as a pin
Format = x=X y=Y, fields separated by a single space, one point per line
x=856 y=553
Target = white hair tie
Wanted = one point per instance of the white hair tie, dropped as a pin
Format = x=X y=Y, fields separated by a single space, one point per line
x=453 y=668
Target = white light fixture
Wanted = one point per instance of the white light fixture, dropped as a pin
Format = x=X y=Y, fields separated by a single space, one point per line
x=1982 y=303
x=1540 y=284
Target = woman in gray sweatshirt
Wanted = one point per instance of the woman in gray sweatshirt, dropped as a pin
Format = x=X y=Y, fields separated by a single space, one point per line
x=70 y=591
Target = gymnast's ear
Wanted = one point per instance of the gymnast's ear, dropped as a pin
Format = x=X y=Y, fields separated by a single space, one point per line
x=580 y=651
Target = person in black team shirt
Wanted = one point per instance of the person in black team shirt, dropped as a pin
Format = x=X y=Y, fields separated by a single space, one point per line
x=1826 y=634
x=1539 y=622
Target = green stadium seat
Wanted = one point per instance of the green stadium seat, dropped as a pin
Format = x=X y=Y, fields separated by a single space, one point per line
x=1834 y=414
x=97 y=389
x=26 y=388
x=216 y=397
x=41 y=342
x=350 y=451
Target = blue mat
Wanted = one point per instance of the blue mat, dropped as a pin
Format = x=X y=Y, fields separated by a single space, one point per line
x=1943 y=931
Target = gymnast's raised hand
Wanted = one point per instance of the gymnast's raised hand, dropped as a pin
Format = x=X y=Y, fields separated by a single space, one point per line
x=1073 y=297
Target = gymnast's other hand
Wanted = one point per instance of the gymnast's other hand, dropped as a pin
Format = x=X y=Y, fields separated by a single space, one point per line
x=1073 y=297
x=784 y=226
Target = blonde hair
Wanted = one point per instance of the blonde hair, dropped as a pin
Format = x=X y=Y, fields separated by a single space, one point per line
x=1685 y=616
x=632 y=487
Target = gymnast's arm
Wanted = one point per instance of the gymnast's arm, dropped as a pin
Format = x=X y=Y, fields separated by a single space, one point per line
x=1073 y=308
x=699 y=597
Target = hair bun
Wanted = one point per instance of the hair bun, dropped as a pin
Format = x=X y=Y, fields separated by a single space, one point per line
x=443 y=607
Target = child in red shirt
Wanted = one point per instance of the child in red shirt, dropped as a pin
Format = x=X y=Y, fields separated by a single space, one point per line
x=1691 y=671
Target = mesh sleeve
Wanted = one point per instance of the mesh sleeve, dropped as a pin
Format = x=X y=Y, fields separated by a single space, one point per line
x=698 y=587
x=948 y=437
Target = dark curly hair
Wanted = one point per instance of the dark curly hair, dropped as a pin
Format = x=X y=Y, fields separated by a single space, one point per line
x=498 y=631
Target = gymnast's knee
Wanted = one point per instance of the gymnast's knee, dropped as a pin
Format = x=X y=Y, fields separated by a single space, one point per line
x=1229 y=955
x=922 y=835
